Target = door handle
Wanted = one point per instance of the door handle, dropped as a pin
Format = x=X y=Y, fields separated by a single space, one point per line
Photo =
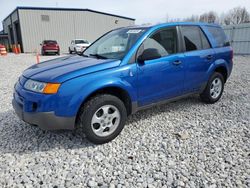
x=177 y=62
x=209 y=57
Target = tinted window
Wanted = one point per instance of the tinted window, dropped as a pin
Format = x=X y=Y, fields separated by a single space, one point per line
x=191 y=35
x=165 y=41
x=50 y=42
x=205 y=43
x=218 y=35
x=194 y=38
x=81 y=42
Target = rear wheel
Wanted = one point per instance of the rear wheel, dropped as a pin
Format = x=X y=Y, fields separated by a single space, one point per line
x=214 y=89
x=103 y=118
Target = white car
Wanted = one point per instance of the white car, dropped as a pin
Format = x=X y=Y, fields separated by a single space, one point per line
x=78 y=45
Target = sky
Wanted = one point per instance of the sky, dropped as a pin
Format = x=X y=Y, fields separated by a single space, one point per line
x=144 y=11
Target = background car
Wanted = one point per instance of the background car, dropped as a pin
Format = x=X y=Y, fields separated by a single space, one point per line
x=78 y=45
x=50 y=46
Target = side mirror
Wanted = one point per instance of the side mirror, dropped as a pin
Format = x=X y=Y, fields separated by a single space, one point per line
x=41 y=44
x=149 y=54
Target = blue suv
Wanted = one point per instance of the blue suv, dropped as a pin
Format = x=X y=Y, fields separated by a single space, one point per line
x=122 y=72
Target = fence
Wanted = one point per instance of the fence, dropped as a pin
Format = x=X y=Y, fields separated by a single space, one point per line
x=239 y=36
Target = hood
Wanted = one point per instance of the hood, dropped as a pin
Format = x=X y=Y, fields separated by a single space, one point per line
x=61 y=69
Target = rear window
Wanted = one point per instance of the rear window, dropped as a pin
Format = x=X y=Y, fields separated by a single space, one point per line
x=50 y=42
x=219 y=36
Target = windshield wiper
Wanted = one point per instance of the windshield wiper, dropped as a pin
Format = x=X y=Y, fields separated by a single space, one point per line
x=98 y=56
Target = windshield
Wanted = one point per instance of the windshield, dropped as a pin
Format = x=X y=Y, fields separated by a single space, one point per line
x=81 y=42
x=115 y=44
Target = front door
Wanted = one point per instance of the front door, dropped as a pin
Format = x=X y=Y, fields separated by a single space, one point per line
x=163 y=77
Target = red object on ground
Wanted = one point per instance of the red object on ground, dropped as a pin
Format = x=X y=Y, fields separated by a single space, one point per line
x=37 y=58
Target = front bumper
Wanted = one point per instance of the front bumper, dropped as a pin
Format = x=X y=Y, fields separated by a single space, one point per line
x=44 y=120
x=80 y=49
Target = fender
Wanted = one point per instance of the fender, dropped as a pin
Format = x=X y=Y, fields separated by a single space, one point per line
x=78 y=93
x=216 y=64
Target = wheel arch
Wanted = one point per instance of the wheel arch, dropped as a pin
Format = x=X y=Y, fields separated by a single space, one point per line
x=219 y=66
x=222 y=70
x=114 y=90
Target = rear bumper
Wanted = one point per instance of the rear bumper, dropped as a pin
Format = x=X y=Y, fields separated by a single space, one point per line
x=52 y=51
x=44 y=120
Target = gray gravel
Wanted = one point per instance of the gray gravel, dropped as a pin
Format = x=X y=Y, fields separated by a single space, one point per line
x=185 y=143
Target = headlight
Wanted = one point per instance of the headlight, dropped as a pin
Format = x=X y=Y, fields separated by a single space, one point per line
x=41 y=87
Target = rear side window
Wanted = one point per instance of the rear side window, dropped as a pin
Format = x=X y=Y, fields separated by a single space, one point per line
x=165 y=41
x=219 y=36
x=194 y=38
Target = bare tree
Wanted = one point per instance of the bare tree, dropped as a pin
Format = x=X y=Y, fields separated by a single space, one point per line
x=237 y=15
x=209 y=17
x=193 y=18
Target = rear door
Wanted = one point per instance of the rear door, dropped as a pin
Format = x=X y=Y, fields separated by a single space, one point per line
x=163 y=77
x=198 y=57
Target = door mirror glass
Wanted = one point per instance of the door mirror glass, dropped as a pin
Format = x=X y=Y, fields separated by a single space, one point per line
x=149 y=54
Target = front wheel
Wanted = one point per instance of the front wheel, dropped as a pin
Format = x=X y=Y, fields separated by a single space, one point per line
x=70 y=52
x=214 y=89
x=103 y=118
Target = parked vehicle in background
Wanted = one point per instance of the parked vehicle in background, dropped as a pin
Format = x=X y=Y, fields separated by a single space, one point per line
x=50 y=46
x=124 y=71
x=78 y=46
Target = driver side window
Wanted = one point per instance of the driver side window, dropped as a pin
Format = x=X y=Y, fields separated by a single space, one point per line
x=164 y=41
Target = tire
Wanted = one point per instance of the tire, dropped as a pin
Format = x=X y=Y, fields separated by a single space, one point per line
x=214 y=89
x=98 y=126
x=58 y=53
x=70 y=52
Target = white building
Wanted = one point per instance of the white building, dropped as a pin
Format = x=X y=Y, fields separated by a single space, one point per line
x=29 y=26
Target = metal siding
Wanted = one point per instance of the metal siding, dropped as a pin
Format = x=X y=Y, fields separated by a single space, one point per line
x=239 y=36
x=64 y=26
x=14 y=16
x=6 y=23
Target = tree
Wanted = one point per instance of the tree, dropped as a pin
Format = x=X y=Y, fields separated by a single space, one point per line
x=237 y=15
x=193 y=18
x=209 y=17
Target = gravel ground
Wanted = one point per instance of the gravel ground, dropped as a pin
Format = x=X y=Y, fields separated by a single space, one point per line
x=180 y=144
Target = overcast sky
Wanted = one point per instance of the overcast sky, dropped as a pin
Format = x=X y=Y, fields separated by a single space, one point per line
x=144 y=11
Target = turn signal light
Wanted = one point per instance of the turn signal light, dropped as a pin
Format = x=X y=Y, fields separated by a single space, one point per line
x=51 y=88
